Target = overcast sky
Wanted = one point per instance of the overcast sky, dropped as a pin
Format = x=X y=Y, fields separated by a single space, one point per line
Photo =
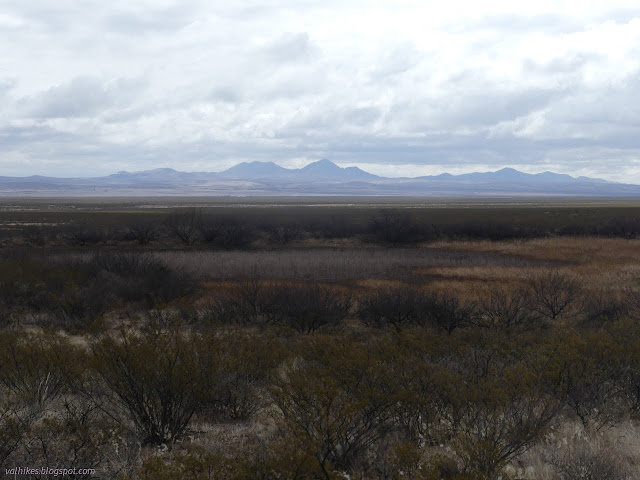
x=395 y=87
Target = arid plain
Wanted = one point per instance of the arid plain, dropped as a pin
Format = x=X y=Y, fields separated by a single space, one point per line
x=324 y=338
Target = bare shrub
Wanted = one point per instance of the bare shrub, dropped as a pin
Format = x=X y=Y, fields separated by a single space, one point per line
x=492 y=231
x=36 y=368
x=247 y=365
x=79 y=436
x=78 y=308
x=398 y=307
x=445 y=311
x=500 y=412
x=36 y=235
x=226 y=233
x=14 y=422
x=34 y=371
x=396 y=459
x=589 y=369
x=620 y=227
x=499 y=308
x=82 y=235
x=554 y=295
x=586 y=462
x=142 y=233
x=403 y=306
x=337 y=400
x=78 y=292
x=284 y=234
x=139 y=276
x=159 y=378
x=184 y=225
x=602 y=307
x=393 y=226
x=223 y=308
x=304 y=308
x=250 y=294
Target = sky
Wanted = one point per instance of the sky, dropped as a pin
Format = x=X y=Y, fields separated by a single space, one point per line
x=398 y=88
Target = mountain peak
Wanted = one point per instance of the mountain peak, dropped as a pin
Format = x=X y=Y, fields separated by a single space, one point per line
x=253 y=170
x=323 y=164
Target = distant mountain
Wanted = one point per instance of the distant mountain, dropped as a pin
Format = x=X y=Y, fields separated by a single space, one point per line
x=325 y=170
x=255 y=171
x=320 y=171
x=510 y=175
x=319 y=178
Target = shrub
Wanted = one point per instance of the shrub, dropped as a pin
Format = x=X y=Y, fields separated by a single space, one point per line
x=500 y=410
x=184 y=225
x=139 y=276
x=82 y=235
x=554 y=295
x=35 y=235
x=77 y=436
x=337 y=399
x=160 y=377
x=499 y=308
x=246 y=366
x=284 y=234
x=304 y=308
x=223 y=308
x=620 y=227
x=446 y=312
x=584 y=462
x=251 y=294
x=142 y=233
x=602 y=307
x=588 y=368
x=36 y=369
x=393 y=226
x=491 y=231
x=13 y=424
x=396 y=306
x=226 y=233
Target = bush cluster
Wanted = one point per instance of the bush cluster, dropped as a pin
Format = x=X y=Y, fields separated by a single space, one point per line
x=74 y=292
x=467 y=402
x=203 y=228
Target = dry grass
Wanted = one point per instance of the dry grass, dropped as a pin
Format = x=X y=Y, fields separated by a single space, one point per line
x=343 y=264
x=466 y=268
x=598 y=262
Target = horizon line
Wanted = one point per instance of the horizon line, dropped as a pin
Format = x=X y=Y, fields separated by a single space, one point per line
x=302 y=167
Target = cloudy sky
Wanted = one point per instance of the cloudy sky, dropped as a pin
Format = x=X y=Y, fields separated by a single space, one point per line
x=396 y=87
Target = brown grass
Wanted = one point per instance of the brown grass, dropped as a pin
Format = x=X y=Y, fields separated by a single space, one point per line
x=341 y=264
x=612 y=264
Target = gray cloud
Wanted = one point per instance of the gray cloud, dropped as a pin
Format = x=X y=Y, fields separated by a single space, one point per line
x=6 y=85
x=198 y=85
x=81 y=97
x=291 y=48
x=226 y=94
x=143 y=21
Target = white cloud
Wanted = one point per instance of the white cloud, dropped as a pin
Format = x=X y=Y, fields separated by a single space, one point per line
x=105 y=86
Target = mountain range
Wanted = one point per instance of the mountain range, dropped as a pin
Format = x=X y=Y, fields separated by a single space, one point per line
x=319 y=178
